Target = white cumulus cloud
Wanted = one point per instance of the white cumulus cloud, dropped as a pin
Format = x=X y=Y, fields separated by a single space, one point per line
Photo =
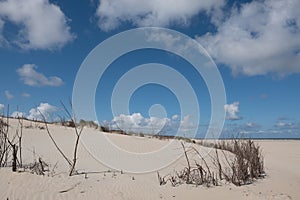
x=2 y=106
x=8 y=95
x=2 y=39
x=42 y=24
x=261 y=37
x=112 y=13
x=232 y=111
x=31 y=77
x=44 y=109
x=285 y=124
x=17 y=114
x=25 y=95
x=153 y=125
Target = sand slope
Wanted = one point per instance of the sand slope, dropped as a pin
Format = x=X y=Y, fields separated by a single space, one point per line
x=282 y=159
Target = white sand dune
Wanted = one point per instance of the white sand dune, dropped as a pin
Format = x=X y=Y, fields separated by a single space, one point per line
x=282 y=159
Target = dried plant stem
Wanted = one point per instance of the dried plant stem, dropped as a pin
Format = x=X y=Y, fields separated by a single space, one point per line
x=53 y=141
x=242 y=165
x=78 y=134
x=72 y=164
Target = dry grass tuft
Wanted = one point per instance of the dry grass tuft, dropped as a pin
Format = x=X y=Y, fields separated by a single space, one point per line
x=241 y=163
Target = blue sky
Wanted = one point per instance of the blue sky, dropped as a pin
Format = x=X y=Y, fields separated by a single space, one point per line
x=255 y=44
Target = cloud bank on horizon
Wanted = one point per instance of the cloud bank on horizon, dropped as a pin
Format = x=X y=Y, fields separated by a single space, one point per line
x=41 y=112
x=136 y=122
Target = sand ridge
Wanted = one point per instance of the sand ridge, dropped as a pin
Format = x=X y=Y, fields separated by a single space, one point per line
x=282 y=159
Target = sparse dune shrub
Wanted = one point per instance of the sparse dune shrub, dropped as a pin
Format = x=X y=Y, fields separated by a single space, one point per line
x=237 y=161
x=104 y=129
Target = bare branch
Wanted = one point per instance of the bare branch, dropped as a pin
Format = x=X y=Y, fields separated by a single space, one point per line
x=52 y=139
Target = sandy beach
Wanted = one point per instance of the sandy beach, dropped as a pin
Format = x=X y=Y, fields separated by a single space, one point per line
x=282 y=159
